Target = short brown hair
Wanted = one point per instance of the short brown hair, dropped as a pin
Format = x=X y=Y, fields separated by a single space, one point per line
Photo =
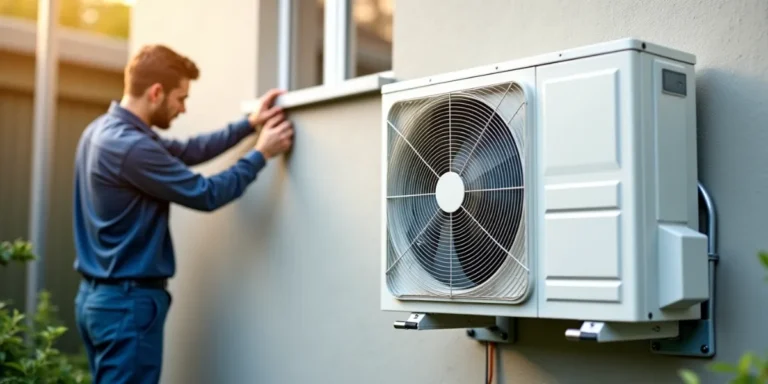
x=156 y=63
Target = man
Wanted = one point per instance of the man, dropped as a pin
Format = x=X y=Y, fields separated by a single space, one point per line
x=126 y=177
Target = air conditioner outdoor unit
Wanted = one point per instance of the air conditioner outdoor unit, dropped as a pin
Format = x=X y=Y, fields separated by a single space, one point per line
x=559 y=186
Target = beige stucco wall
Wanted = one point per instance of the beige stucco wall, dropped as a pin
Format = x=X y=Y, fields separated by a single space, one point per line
x=282 y=286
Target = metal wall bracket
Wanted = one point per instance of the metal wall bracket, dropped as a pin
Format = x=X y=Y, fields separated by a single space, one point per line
x=430 y=321
x=505 y=331
x=697 y=337
x=602 y=332
x=480 y=328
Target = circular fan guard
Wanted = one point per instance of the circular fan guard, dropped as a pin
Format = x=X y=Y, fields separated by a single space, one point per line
x=460 y=248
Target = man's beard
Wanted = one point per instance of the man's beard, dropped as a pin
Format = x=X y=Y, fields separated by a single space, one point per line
x=161 y=118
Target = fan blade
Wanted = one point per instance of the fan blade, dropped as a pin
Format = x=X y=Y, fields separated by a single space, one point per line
x=477 y=258
x=433 y=254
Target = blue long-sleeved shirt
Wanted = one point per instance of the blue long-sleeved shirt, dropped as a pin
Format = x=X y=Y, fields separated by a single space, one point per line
x=126 y=176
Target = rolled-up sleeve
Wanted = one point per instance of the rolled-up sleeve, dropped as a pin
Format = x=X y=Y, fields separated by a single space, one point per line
x=151 y=169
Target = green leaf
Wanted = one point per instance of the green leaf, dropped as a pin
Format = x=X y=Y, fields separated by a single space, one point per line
x=746 y=363
x=722 y=367
x=689 y=377
x=743 y=379
x=763 y=374
x=5 y=253
x=14 y=366
x=15 y=341
x=763 y=255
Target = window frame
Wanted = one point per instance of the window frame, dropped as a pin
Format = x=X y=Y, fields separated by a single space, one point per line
x=339 y=78
x=339 y=59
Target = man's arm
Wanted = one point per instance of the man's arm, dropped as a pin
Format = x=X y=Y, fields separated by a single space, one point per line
x=203 y=147
x=150 y=169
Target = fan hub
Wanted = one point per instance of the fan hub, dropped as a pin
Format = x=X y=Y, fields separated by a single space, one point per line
x=450 y=192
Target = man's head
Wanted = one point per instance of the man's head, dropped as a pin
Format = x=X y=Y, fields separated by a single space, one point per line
x=157 y=79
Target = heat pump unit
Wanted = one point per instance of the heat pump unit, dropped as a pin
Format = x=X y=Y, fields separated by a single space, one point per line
x=559 y=186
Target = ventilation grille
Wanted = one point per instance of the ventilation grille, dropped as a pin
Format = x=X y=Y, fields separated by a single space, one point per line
x=456 y=202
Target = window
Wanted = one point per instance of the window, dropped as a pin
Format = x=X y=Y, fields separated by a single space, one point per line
x=323 y=42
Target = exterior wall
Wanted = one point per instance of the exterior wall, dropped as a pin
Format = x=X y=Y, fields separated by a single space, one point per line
x=84 y=93
x=282 y=285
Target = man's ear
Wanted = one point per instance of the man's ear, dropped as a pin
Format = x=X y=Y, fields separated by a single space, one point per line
x=156 y=93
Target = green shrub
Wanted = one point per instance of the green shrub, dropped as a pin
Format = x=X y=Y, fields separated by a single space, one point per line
x=29 y=356
x=751 y=368
x=18 y=251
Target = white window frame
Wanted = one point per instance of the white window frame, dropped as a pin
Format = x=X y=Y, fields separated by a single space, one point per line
x=338 y=38
x=286 y=41
x=339 y=59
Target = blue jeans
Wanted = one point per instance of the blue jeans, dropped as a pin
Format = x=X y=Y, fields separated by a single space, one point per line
x=122 y=329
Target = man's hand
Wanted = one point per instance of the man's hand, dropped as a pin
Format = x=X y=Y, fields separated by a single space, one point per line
x=276 y=137
x=265 y=110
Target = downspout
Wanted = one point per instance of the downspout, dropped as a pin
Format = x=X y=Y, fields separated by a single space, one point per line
x=44 y=129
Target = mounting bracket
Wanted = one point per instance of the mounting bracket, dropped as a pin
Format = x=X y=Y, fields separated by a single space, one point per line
x=697 y=337
x=504 y=331
x=602 y=332
x=480 y=328
x=428 y=321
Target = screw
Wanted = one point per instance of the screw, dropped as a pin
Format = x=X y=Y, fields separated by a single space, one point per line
x=704 y=348
x=655 y=346
x=471 y=332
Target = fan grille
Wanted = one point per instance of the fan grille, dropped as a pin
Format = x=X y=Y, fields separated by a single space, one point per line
x=455 y=195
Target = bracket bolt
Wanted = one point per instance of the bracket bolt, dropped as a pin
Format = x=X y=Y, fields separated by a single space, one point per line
x=471 y=332
x=655 y=346
x=704 y=348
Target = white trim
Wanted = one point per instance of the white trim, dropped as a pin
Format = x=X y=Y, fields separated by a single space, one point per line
x=77 y=47
x=546 y=58
x=337 y=58
x=286 y=35
x=323 y=93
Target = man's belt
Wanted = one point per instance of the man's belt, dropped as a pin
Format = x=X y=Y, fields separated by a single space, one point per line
x=156 y=283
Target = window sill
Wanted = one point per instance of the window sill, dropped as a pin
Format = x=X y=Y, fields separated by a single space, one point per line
x=325 y=93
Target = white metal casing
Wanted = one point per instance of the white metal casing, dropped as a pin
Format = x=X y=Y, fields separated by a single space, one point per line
x=610 y=170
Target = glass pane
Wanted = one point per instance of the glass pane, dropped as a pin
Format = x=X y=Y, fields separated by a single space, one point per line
x=308 y=44
x=372 y=42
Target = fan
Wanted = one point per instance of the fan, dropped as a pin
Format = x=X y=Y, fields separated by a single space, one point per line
x=455 y=195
